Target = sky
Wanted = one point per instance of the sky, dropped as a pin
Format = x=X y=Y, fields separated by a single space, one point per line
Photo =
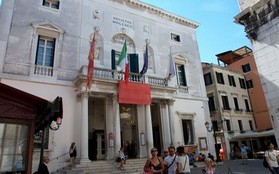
x=217 y=32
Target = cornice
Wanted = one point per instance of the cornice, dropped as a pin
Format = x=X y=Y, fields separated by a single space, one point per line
x=138 y=5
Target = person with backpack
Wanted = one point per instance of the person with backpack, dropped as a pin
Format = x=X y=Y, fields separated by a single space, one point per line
x=271 y=157
x=170 y=161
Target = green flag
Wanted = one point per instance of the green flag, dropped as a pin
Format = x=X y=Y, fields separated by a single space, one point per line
x=122 y=59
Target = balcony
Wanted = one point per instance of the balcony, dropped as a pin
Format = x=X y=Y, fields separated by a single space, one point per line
x=114 y=76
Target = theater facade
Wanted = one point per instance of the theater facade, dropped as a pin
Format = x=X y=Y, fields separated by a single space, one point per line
x=45 y=48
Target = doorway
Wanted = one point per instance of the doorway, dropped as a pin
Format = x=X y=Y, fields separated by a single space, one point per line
x=129 y=135
x=156 y=127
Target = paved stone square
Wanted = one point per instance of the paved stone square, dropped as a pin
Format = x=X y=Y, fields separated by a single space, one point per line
x=254 y=166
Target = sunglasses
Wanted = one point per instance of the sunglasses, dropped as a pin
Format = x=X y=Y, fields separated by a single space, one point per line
x=153 y=150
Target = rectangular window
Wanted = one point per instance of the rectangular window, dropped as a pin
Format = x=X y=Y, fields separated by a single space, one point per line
x=236 y=104
x=240 y=125
x=51 y=3
x=188 y=132
x=246 y=68
x=207 y=79
x=175 y=37
x=249 y=84
x=231 y=80
x=247 y=105
x=251 y=125
x=242 y=83
x=220 y=78
x=225 y=101
x=228 y=124
x=211 y=103
x=181 y=79
x=45 y=56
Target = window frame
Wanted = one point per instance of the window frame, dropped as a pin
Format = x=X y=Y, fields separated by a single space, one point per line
x=181 y=74
x=46 y=30
x=236 y=105
x=211 y=103
x=249 y=84
x=225 y=102
x=242 y=83
x=53 y=4
x=220 y=78
x=175 y=37
x=231 y=81
x=240 y=125
x=246 y=68
x=207 y=79
x=190 y=141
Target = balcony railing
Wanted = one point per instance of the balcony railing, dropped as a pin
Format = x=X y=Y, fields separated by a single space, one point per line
x=109 y=74
x=43 y=70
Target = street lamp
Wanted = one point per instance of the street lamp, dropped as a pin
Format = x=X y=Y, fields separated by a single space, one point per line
x=217 y=146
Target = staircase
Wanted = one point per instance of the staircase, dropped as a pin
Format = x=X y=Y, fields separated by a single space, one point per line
x=132 y=166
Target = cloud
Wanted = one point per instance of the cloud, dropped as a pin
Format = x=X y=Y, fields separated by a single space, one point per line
x=214 y=6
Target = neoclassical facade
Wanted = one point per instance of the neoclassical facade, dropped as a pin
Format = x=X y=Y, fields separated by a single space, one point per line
x=44 y=51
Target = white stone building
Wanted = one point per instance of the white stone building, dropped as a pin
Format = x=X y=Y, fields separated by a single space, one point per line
x=260 y=19
x=44 y=48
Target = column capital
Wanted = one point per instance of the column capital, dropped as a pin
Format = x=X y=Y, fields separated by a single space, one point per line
x=83 y=94
x=171 y=101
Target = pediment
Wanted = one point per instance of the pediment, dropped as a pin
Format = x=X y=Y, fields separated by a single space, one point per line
x=47 y=26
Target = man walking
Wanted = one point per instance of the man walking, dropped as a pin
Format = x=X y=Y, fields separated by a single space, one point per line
x=170 y=161
x=243 y=150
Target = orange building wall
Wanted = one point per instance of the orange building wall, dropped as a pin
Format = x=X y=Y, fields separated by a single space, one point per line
x=257 y=99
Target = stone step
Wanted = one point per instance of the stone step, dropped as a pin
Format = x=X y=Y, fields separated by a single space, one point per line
x=132 y=166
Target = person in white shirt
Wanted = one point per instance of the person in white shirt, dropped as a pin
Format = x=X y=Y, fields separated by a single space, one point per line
x=272 y=156
x=171 y=161
x=183 y=166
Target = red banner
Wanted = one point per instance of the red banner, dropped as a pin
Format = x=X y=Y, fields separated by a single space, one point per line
x=134 y=93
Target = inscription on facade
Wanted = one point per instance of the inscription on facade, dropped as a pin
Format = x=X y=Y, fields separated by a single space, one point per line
x=122 y=22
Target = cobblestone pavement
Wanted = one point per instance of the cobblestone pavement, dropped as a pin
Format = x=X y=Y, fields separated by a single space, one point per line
x=254 y=166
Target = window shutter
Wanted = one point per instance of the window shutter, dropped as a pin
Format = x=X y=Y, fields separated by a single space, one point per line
x=54 y=42
x=134 y=63
x=113 y=59
x=39 y=37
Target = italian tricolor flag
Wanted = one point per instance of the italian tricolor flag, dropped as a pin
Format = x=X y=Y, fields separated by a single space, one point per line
x=123 y=61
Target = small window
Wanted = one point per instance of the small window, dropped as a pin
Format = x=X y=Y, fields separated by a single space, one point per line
x=251 y=125
x=249 y=84
x=225 y=102
x=246 y=68
x=247 y=105
x=231 y=81
x=211 y=103
x=242 y=83
x=175 y=37
x=236 y=104
x=240 y=125
x=228 y=124
x=51 y=3
x=207 y=79
x=220 y=78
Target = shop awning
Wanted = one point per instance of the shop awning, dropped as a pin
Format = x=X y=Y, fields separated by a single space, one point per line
x=17 y=104
x=253 y=135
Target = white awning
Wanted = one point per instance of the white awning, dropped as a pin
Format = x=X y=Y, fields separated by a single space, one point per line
x=253 y=135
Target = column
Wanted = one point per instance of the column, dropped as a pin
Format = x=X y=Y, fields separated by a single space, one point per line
x=84 y=157
x=165 y=122
x=117 y=137
x=149 y=133
x=171 y=120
